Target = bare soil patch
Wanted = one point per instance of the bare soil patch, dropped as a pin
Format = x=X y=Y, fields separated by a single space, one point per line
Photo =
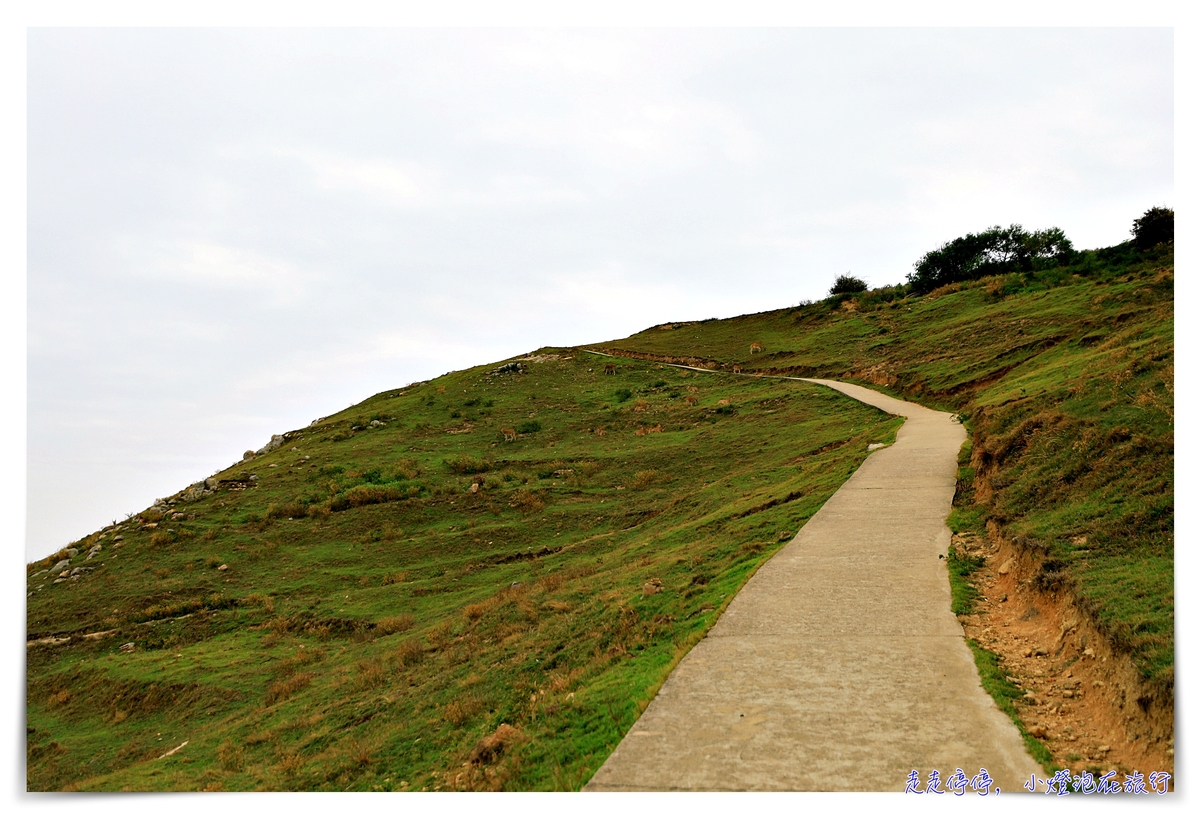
x=1084 y=700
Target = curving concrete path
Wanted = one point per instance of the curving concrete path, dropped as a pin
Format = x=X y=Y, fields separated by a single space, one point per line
x=839 y=665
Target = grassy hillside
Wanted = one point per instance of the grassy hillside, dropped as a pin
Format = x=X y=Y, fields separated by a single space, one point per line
x=401 y=597
x=369 y=604
x=1066 y=377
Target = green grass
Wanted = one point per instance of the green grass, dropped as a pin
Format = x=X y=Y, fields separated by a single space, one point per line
x=966 y=517
x=962 y=591
x=401 y=579
x=376 y=618
x=995 y=681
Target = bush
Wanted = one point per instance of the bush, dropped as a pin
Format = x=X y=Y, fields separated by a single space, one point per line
x=465 y=464
x=995 y=251
x=280 y=511
x=366 y=495
x=847 y=284
x=623 y=395
x=1156 y=226
x=882 y=295
x=407 y=469
x=529 y=427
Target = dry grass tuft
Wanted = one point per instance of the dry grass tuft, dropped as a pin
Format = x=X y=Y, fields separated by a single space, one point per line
x=408 y=469
x=231 y=756
x=302 y=657
x=527 y=502
x=440 y=634
x=492 y=747
x=394 y=624
x=281 y=511
x=371 y=673
x=410 y=652
x=646 y=478
x=561 y=680
x=286 y=688
x=290 y=763
x=462 y=709
x=260 y=601
x=360 y=753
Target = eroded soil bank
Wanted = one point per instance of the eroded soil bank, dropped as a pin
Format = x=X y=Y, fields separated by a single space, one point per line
x=1084 y=700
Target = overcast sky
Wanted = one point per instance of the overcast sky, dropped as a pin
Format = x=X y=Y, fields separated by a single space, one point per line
x=233 y=232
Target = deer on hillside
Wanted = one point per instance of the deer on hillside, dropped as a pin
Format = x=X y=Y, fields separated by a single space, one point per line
x=610 y=369
x=737 y=370
x=509 y=435
x=755 y=348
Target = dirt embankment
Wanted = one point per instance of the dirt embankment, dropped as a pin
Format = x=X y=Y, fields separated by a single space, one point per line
x=1084 y=700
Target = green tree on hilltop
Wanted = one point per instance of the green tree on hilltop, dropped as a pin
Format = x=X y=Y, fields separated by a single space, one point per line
x=995 y=251
x=1156 y=226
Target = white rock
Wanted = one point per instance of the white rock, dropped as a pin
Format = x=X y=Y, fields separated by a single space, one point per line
x=275 y=443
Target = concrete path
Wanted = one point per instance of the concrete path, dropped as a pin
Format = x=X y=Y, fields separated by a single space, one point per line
x=839 y=666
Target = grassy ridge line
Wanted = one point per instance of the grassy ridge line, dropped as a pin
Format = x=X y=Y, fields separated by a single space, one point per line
x=358 y=616
x=1066 y=376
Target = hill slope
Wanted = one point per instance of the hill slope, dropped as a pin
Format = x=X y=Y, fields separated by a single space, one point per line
x=363 y=604
x=405 y=595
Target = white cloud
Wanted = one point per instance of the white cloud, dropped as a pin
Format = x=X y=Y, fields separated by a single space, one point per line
x=389 y=180
x=572 y=52
x=270 y=280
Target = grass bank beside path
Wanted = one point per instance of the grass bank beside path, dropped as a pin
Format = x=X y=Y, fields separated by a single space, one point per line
x=472 y=583
x=1066 y=377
